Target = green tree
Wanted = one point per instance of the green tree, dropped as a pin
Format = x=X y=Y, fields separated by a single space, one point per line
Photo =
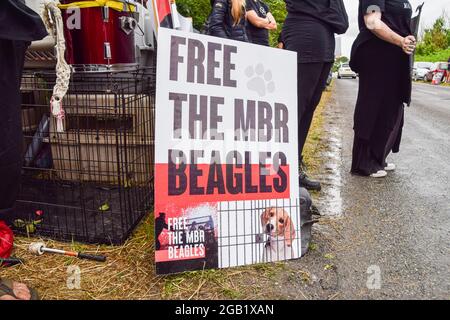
x=278 y=9
x=338 y=61
x=198 y=10
x=436 y=38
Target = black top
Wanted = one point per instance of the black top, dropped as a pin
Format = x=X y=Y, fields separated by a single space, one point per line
x=221 y=23
x=257 y=35
x=330 y=12
x=19 y=22
x=310 y=7
x=306 y=33
x=395 y=13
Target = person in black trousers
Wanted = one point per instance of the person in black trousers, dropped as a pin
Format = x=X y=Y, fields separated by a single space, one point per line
x=381 y=55
x=259 y=22
x=309 y=31
x=227 y=20
x=19 y=25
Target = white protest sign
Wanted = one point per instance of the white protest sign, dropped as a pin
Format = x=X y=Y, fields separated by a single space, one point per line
x=226 y=136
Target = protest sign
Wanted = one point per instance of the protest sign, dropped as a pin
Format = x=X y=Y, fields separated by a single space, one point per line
x=226 y=154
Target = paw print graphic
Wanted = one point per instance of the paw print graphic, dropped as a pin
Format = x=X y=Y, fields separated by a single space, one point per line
x=260 y=80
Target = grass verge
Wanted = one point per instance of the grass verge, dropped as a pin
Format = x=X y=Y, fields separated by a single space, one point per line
x=129 y=272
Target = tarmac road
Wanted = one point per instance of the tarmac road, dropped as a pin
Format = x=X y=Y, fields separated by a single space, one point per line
x=399 y=226
x=380 y=238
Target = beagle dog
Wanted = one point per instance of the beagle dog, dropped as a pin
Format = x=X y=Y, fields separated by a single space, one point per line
x=277 y=224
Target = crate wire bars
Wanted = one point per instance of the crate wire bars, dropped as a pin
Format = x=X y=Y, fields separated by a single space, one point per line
x=94 y=182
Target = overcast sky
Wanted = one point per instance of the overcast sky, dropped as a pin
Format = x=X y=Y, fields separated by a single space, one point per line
x=431 y=11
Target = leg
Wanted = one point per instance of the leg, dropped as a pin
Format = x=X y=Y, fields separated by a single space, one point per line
x=363 y=158
x=393 y=143
x=369 y=156
x=311 y=83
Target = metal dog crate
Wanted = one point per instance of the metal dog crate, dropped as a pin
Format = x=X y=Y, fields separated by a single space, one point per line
x=94 y=182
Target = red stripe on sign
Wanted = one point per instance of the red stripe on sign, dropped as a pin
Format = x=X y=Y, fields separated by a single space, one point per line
x=214 y=183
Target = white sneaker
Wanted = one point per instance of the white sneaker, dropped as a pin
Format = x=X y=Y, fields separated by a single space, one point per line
x=379 y=174
x=390 y=167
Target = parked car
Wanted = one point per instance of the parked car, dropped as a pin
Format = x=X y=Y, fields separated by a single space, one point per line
x=346 y=72
x=438 y=67
x=421 y=69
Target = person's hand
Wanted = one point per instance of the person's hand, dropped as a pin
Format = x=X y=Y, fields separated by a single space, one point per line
x=409 y=44
x=280 y=45
x=272 y=25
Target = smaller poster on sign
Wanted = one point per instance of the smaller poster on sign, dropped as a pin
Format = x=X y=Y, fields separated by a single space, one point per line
x=226 y=172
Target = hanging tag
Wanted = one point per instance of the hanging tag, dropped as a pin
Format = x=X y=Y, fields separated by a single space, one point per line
x=58 y=113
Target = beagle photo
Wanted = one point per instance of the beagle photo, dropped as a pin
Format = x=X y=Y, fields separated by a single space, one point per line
x=278 y=226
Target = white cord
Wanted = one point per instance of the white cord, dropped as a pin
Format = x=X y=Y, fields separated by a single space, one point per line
x=53 y=21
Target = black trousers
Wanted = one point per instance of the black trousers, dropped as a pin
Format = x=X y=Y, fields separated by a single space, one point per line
x=11 y=138
x=369 y=156
x=379 y=111
x=312 y=79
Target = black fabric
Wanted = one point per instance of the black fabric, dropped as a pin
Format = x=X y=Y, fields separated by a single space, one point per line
x=312 y=39
x=312 y=78
x=314 y=42
x=306 y=219
x=369 y=156
x=397 y=15
x=330 y=12
x=11 y=139
x=221 y=24
x=19 y=22
x=18 y=26
x=381 y=84
x=379 y=112
x=258 y=35
x=415 y=22
x=281 y=38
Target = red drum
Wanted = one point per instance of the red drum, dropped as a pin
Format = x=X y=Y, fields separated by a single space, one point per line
x=100 y=37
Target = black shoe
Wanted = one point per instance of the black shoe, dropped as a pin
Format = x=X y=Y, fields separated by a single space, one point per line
x=309 y=184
